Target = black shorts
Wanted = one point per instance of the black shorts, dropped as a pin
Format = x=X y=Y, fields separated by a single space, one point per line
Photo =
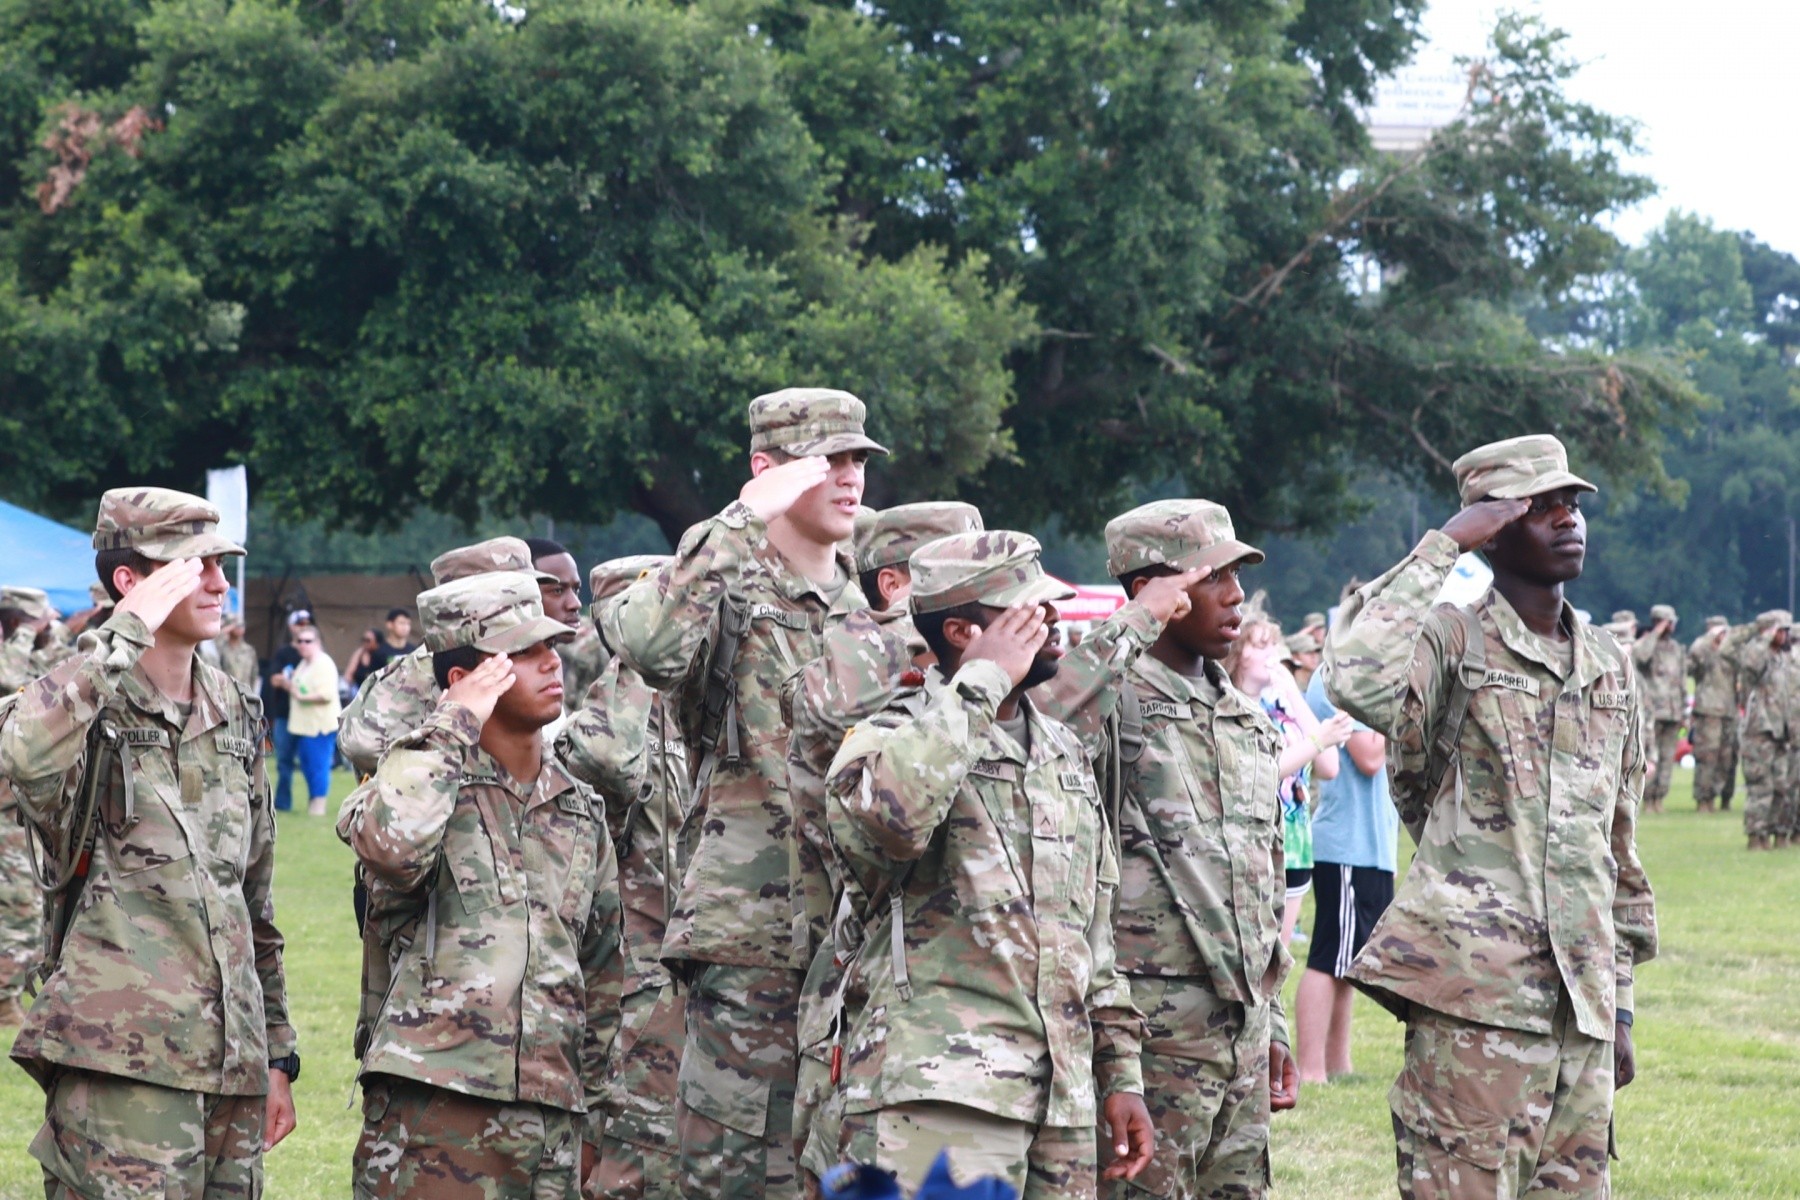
x=1347 y=901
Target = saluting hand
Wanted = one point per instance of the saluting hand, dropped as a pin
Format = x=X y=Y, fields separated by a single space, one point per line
x=481 y=689
x=1166 y=596
x=1476 y=525
x=155 y=597
x=1012 y=641
x=772 y=493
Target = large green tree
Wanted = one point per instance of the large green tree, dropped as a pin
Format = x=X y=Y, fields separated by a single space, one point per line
x=1727 y=303
x=535 y=258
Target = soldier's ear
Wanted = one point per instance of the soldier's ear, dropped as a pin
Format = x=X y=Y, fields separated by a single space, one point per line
x=960 y=632
x=760 y=461
x=455 y=675
x=124 y=579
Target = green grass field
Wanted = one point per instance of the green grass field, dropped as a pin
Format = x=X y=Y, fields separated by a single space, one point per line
x=1715 y=1111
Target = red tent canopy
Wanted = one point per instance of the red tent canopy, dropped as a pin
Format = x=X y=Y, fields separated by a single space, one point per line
x=1092 y=603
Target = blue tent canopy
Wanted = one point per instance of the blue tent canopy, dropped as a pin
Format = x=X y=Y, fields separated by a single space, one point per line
x=38 y=552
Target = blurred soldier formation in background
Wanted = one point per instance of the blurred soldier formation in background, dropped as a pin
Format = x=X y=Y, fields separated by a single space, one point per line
x=811 y=844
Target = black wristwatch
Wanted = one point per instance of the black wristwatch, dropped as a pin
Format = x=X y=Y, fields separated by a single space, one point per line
x=290 y=1065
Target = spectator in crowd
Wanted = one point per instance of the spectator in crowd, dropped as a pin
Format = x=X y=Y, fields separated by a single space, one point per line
x=395 y=641
x=312 y=689
x=367 y=660
x=1309 y=746
x=277 y=704
x=1355 y=836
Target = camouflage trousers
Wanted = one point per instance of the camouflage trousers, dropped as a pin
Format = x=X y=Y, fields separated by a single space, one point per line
x=21 y=909
x=420 y=1142
x=110 y=1138
x=1656 y=788
x=638 y=1154
x=1041 y=1162
x=1206 y=1083
x=1483 y=1113
x=1768 y=782
x=734 y=1101
x=1715 y=757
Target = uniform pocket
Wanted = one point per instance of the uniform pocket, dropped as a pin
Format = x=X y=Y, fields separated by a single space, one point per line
x=469 y=858
x=1441 y=1128
x=977 y=851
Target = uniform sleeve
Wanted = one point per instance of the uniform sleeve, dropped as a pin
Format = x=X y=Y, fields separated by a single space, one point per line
x=662 y=625
x=395 y=821
x=1084 y=691
x=1385 y=660
x=361 y=734
x=605 y=744
x=1634 y=905
x=16 y=660
x=1644 y=649
x=890 y=789
x=1117 y=1023
x=259 y=898
x=44 y=743
x=603 y=971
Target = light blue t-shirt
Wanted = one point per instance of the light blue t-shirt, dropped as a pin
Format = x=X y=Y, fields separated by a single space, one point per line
x=1356 y=823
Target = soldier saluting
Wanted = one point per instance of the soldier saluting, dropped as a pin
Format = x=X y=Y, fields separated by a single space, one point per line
x=161 y=1037
x=1510 y=947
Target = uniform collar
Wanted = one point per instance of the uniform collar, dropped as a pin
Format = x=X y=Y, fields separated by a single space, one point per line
x=1590 y=661
x=796 y=587
x=209 y=710
x=552 y=780
x=1222 y=697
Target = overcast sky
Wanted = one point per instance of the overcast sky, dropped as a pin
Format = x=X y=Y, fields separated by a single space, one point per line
x=1713 y=85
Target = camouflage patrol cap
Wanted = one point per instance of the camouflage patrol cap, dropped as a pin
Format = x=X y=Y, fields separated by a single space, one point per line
x=893 y=533
x=1624 y=616
x=1304 y=642
x=1515 y=469
x=616 y=574
x=33 y=602
x=1768 y=622
x=97 y=593
x=501 y=612
x=160 y=524
x=1313 y=620
x=996 y=567
x=1662 y=612
x=1718 y=622
x=809 y=421
x=1183 y=534
x=484 y=558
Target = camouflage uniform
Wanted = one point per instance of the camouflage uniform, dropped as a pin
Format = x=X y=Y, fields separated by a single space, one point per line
x=736 y=924
x=1713 y=723
x=866 y=662
x=498 y=901
x=584 y=657
x=21 y=903
x=1773 y=682
x=399 y=698
x=1510 y=947
x=1662 y=665
x=1202 y=884
x=622 y=745
x=984 y=997
x=154 y=1031
x=24 y=654
x=238 y=660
